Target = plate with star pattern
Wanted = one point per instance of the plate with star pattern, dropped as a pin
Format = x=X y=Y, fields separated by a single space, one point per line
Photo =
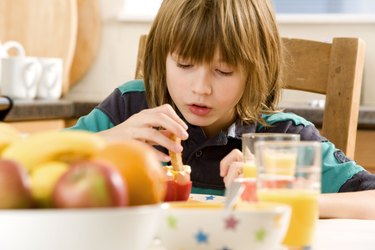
x=203 y=224
x=206 y=198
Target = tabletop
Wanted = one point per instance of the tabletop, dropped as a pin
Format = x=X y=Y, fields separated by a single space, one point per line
x=343 y=234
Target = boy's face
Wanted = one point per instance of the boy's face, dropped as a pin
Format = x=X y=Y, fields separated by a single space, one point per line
x=205 y=94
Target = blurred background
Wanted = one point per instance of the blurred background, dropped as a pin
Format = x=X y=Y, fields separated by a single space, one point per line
x=123 y=21
x=98 y=40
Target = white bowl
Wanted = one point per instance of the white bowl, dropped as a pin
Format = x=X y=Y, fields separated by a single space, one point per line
x=79 y=229
x=198 y=225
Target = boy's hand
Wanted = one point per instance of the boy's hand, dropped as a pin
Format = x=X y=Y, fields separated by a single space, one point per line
x=231 y=166
x=153 y=126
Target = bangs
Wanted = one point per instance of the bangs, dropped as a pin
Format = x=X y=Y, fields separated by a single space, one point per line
x=198 y=34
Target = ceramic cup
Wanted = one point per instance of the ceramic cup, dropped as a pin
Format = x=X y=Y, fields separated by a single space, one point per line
x=50 y=83
x=8 y=46
x=20 y=76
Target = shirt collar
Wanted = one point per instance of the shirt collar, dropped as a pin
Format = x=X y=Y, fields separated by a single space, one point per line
x=234 y=131
x=239 y=127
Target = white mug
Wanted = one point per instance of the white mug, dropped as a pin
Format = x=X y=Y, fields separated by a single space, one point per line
x=50 y=83
x=6 y=47
x=20 y=76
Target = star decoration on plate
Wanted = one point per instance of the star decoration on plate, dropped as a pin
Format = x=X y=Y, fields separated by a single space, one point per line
x=172 y=222
x=210 y=198
x=231 y=223
x=260 y=235
x=201 y=237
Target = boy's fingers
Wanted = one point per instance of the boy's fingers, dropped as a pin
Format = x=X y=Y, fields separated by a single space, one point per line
x=235 y=170
x=162 y=157
x=172 y=113
x=234 y=156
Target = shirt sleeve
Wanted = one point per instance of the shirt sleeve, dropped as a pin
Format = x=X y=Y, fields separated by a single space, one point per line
x=95 y=121
x=122 y=103
x=337 y=169
x=359 y=182
x=101 y=117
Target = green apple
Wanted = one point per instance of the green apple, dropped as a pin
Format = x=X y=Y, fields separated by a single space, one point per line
x=14 y=186
x=90 y=183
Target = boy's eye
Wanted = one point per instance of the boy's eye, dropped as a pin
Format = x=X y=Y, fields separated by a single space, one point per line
x=224 y=73
x=184 y=65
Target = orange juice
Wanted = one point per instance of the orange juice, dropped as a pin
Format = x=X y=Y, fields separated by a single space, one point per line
x=304 y=204
x=249 y=170
x=279 y=163
x=249 y=190
x=249 y=182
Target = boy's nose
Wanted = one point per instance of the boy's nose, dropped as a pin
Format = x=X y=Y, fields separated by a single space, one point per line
x=202 y=84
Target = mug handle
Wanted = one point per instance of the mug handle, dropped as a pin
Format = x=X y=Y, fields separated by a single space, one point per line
x=9 y=45
x=6 y=104
x=35 y=68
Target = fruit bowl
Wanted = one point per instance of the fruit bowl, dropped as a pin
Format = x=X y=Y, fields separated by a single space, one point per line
x=78 y=229
x=199 y=225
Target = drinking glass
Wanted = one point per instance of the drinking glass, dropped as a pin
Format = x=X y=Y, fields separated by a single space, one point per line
x=290 y=172
x=248 y=151
x=249 y=169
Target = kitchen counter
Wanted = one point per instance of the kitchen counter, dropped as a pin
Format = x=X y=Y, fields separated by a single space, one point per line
x=67 y=109
x=47 y=110
x=39 y=115
x=366 y=119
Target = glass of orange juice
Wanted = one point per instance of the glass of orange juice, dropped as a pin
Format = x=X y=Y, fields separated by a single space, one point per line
x=249 y=167
x=290 y=172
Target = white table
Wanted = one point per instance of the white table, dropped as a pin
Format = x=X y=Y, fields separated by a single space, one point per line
x=332 y=234
x=345 y=234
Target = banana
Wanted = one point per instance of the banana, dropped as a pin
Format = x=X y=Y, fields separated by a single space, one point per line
x=62 y=145
x=8 y=134
x=43 y=180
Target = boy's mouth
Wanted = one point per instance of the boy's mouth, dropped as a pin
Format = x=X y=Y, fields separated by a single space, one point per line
x=199 y=109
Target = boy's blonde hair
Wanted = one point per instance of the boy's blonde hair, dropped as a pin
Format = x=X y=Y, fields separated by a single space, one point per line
x=244 y=31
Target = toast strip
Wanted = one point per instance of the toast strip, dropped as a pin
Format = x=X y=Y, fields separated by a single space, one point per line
x=176 y=158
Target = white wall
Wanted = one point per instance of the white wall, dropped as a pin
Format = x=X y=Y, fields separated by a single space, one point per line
x=116 y=59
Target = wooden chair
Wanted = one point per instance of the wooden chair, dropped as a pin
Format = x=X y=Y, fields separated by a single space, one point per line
x=333 y=69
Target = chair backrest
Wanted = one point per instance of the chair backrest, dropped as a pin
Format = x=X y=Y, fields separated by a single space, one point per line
x=333 y=69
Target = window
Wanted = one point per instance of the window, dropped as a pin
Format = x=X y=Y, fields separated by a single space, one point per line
x=139 y=10
x=145 y=10
x=324 y=6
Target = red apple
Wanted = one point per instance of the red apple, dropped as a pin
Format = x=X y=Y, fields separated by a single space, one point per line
x=90 y=183
x=14 y=186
